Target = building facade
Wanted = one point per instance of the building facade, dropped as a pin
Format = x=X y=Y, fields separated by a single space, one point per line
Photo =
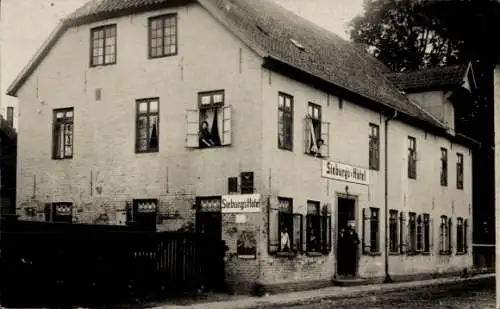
x=204 y=115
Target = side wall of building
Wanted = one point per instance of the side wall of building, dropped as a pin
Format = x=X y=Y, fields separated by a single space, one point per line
x=294 y=174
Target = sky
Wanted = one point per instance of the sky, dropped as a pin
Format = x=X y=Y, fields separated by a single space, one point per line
x=25 y=24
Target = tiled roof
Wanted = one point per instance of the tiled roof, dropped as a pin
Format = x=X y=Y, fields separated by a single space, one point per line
x=433 y=78
x=275 y=32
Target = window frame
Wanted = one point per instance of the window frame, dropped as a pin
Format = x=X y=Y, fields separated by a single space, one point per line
x=412 y=157
x=444 y=167
x=288 y=122
x=412 y=234
x=460 y=171
x=55 y=136
x=163 y=18
x=296 y=245
x=323 y=228
x=374 y=222
x=444 y=240
x=147 y=114
x=374 y=147
x=427 y=241
x=393 y=231
x=103 y=28
x=311 y=109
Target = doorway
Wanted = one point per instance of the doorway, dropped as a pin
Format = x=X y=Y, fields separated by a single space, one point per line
x=346 y=251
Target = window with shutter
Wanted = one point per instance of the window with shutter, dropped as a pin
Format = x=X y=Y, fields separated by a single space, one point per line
x=226 y=125
x=374 y=147
x=297 y=232
x=427 y=233
x=327 y=233
x=324 y=150
x=366 y=231
x=192 y=128
x=374 y=230
x=460 y=235
x=450 y=234
x=420 y=234
x=466 y=235
x=313 y=227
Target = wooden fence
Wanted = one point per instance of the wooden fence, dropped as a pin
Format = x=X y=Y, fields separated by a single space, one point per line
x=57 y=264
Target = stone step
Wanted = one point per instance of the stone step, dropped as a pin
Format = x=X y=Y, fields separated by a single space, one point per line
x=349 y=281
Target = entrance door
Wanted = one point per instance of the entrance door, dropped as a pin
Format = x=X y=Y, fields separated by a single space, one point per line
x=209 y=225
x=346 y=252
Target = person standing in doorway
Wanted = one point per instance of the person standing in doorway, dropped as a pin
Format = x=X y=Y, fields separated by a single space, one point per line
x=351 y=248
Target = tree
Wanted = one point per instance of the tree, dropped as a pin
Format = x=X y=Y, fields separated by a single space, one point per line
x=403 y=38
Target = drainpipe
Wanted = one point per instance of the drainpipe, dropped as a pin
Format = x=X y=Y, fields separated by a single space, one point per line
x=386 y=195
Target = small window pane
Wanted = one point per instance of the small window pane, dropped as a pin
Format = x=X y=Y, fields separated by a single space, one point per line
x=205 y=99
x=153 y=106
x=218 y=98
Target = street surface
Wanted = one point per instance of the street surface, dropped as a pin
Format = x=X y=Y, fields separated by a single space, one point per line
x=472 y=296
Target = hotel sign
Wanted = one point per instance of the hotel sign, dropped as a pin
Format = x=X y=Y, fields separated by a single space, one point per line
x=243 y=203
x=344 y=172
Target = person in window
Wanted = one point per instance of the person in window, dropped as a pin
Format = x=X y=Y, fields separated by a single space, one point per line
x=204 y=139
x=285 y=240
x=319 y=149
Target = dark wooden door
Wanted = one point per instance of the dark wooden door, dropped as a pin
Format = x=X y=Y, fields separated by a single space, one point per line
x=346 y=213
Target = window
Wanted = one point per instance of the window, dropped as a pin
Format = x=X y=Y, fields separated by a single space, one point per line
x=62 y=139
x=10 y=115
x=317 y=133
x=59 y=212
x=318 y=233
x=374 y=147
x=444 y=167
x=210 y=125
x=420 y=233
x=444 y=236
x=103 y=45
x=412 y=233
x=427 y=233
x=142 y=213
x=412 y=158
x=163 y=36
x=393 y=231
x=285 y=228
x=285 y=121
x=460 y=235
x=147 y=125
x=371 y=243
x=460 y=171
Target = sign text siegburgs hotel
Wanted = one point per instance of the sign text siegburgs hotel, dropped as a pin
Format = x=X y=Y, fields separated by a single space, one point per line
x=242 y=203
x=344 y=172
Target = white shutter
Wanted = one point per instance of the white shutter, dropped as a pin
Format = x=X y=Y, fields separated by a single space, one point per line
x=273 y=228
x=192 y=128
x=325 y=136
x=366 y=230
x=226 y=125
x=307 y=135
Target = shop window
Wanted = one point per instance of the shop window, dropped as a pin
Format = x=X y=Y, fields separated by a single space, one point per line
x=142 y=213
x=393 y=231
x=412 y=233
x=444 y=236
x=62 y=138
x=318 y=233
x=317 y=133
x=210 y=125
x=285 y=121
x=285 y=228
x=460 y=171
x=444 y=167
x=374 y=147
x=59 y=212
x=460 y=236
x=371 y=231
x=427 y=233
x=147 y=125
x=412 y=158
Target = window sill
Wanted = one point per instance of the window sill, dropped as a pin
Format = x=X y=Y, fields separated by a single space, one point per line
x=61 y=159
x=315 y=253
x=312 y=155
x=212 y=147
x=147 y=151
x=425 y=253
x=102 y=65
x=461 y=253
x=374 y=169
x=394 y=253
x=162 y=56
x=377 y=253
x=444 y=253
x=412 y=253
x=285 y=149
x=285 y=254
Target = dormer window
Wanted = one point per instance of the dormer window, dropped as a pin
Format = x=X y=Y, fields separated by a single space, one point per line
x=297 y=44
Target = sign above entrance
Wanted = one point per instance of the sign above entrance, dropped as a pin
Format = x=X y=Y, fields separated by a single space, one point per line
x=241 y=203
x=344 y=172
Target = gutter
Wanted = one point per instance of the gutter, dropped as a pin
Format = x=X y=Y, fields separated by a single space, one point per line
x=386 y=195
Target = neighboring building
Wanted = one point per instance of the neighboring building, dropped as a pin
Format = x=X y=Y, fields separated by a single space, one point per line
x=8 y=143
x=210 y=112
